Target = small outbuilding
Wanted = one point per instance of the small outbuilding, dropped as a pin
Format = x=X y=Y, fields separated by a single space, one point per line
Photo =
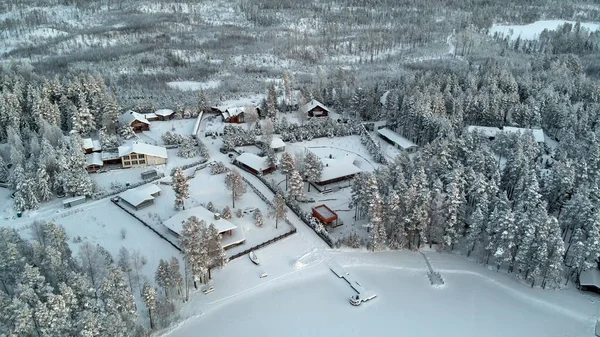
x=589 y=280
x=164 y=114
x=135 y=120
x=141 y=197
x=277 y=144
x=398 y=141
x=253 y=163
x=314 y=108
x=90 y=145
x=93 y=162
x=325 y=215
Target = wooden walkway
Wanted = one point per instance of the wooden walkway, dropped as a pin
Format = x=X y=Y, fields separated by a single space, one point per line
x=340 y=272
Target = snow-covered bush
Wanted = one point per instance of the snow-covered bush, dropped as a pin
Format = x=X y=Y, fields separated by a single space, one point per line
x=226 y=214
x=258 y=217
x=126 y=132
x=210 y=206
x=188 y=148
x=116 y=185
x=353 y=240
x=239 y=213
x=218 y=168
x=107 y=140
x=235 y=136
x=123 y=233
x=169 y=138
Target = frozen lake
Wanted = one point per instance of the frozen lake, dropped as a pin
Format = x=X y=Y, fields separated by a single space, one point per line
x=317 y=305
x=533 y=30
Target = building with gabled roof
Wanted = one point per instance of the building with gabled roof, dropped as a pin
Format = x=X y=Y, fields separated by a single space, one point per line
x=397 y=140
x=254 y=163
x=314 y=108
x=93 y=162
x=141 y=197
x=142 y=154
x=231 y=235
x=135 y=120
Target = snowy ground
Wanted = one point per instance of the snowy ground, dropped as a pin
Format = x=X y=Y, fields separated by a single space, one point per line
x=311 y=301
x=205 y=188
x=194 y=86
x=182 y=127
x=532 y=31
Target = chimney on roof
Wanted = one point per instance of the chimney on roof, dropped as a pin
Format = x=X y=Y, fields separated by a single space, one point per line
x=217 y=216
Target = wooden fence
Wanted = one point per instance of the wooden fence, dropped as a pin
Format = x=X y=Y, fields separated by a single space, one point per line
x=264 y=244
x=145 y=224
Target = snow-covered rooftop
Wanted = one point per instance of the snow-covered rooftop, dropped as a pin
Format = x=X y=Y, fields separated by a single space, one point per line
x=538 y=134
x=491 y=131
x=488 y=131
x=235 y=111
x=143 y=148
x=164 y=112
x=109 y=155
x=97 y=145
x=324 y=212
x=253 y=161
x=175 y=223
x=311 y=105
x=590 y=277
x=136 y=196
x=277 y=143
x=396 y=138
x=94 y=159
x=88 y=144
x=337 y=168
x=128 y=117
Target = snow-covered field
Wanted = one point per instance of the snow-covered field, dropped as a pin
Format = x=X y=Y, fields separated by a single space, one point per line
x=533 y=30
x=194 y=86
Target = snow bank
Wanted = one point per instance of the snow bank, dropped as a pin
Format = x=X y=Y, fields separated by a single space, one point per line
x=533 y=30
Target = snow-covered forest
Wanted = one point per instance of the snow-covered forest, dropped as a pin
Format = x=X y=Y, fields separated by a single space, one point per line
x=427 y=69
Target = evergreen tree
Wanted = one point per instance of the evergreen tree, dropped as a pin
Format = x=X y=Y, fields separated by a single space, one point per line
x=272 y=103
x=149 y=298
x=181 y=188
x=313 y=168
x=286 y=166
x=476 y=229
x=552 y=269
x=194 y=249
x=278 y=209
x=119 y=304
x=175 y=274
x=163 y=277
x=258 y=217
x=3 y=171
x=216 y=253
x=378 y=234
x=44 y=192
x=235 y=183
x=296 y=185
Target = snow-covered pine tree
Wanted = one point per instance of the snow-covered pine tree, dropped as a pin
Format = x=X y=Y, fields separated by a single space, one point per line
x=194 y=249
x=258 y=217
x=216 y=253
x=476 y=229
x=359 y=196
x=279 y=209
x=392 y=220
x=437 y=213
x=149 y=298
x=3 y=171
x=44 y=191
x=272 y=103
x=175 y=274
x=181 y=188
x=553 y=267
x=235 y=183
x=378 y=235
x=84 y=122
x=250 y=116
x=119 y=304
x=211 y=207
x=313 y=168
x=286 y=165
x=296 y=185
x=226 y=213
x=162 y=277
